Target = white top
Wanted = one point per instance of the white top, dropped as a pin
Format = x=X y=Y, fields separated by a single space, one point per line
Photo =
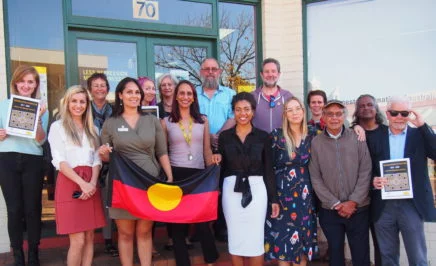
x=64 y=150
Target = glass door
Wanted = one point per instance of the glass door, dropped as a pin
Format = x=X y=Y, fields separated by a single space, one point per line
x=117 y=56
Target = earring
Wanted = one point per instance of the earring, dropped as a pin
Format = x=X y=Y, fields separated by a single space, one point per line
x=121 y=102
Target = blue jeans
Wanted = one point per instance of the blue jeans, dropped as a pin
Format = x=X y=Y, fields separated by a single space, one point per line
x=357 y=229
x=401 y=216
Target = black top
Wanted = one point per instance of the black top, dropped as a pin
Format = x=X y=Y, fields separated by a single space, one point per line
x=162 y=112
x=253 y=157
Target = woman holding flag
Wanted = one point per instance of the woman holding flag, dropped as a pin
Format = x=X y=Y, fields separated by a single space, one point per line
x=188 y=137
x=140 y=139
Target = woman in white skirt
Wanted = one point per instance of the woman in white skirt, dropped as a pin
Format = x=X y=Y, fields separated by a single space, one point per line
x=249 y=183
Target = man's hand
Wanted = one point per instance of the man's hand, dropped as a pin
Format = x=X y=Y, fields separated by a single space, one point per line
x=379 y=182
x=416 y=119
x=346 y=209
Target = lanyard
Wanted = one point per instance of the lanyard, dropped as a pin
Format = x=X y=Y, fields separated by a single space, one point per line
x=187 y=135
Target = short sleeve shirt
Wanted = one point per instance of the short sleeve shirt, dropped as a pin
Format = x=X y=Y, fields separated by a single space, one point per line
x=218 y=108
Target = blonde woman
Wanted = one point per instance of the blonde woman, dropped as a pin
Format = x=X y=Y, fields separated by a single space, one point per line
x=73 y=140
x=291 y=237
x=21 y=170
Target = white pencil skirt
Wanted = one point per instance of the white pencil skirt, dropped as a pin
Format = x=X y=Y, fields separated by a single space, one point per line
x=245 y=226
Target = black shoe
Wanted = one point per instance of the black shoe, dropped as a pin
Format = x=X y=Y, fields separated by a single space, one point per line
x=18 y=257
x=111 y=250
x=33 y=257
x=169 y=247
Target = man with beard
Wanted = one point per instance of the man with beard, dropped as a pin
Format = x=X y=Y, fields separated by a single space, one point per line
x=270 y=98
x=390 y=217
x=216 y=103
x=215 y=100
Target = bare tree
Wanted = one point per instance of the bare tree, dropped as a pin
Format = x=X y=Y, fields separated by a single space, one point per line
x=237 y=50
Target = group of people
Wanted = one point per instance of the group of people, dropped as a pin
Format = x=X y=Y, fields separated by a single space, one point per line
x=280 y=171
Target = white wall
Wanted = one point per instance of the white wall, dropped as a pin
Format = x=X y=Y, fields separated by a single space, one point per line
x=4 y=238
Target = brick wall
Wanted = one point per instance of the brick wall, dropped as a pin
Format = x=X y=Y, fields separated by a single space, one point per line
x=282 y=28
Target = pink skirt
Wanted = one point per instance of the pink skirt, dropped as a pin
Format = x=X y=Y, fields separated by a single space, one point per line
x=76 y=215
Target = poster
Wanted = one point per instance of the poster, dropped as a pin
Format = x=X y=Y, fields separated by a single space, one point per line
x=154 y=110
x=23 y=114
x=399 y=185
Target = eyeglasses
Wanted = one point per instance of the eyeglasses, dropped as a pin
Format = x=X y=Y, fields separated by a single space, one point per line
x=210 y=69
x=395 y=113
x=272 y=102
x=333 y=114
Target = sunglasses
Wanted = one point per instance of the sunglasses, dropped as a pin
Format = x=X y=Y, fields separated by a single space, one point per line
x=395 y=113
x=272 y=103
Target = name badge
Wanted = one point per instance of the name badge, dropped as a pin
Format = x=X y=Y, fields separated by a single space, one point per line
x=123 y=129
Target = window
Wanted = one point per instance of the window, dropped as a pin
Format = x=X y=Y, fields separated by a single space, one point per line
x=383 y=48
x=237 y=45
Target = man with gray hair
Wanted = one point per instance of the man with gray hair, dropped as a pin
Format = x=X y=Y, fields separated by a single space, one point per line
x=340 y=171
x=398 y=141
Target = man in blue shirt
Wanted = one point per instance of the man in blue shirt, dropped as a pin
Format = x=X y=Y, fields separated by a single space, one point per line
x=215 y=100
x=402 y=215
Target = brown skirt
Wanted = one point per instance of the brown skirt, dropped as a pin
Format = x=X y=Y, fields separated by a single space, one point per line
x=76 y=215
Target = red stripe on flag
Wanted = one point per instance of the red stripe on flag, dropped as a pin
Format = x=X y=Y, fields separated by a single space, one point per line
x=193 y=208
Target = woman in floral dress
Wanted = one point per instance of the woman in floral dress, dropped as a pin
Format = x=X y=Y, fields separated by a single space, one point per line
x=291 y=237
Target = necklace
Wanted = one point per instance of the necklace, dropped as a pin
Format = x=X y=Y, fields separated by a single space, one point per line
x=187 y=135
x=167 y=105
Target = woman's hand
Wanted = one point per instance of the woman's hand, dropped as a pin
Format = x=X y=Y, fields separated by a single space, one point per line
x=216 y=158
x=88 y=190
x=360 y=132
x=104 y=152
x=275 y=210
x=42 y=108
x=3 y=134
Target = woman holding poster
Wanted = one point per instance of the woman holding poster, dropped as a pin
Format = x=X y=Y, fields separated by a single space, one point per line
x=21 y=165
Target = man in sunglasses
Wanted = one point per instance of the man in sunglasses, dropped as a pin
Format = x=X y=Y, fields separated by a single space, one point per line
x=340 y=171
x=397 y=141
x=270 y=97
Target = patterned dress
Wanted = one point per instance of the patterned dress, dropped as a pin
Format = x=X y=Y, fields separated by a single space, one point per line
x=293 y=233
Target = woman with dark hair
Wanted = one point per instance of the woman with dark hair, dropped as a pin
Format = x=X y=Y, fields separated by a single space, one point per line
x=21 y=168
x=188 y=137
x=139 y=138
x=73 y=141
x=249 y=183
x=166 y=84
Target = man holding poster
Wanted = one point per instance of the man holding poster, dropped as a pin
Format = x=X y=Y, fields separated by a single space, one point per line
x=405 y=215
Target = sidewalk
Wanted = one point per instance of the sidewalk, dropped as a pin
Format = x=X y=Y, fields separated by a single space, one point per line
x=54 y=253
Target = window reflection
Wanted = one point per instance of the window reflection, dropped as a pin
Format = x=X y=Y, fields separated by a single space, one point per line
x=382 y=47
x=238 y=45
x=116 y=59
x=38 y=40
x=182 y=61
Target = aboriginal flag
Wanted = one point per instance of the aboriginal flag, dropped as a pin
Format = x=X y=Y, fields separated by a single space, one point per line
x=192 y=200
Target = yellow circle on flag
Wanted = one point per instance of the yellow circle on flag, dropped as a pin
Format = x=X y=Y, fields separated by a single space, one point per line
x=164 y=197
